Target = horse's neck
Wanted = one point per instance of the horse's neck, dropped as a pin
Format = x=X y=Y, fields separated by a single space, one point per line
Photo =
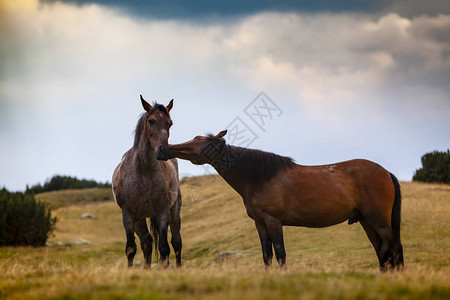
x=145 y=156
x=227 y=165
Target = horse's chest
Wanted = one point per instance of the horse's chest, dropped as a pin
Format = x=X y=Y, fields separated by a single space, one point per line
x=250 y=211
x=146 y=198
x=155 y=194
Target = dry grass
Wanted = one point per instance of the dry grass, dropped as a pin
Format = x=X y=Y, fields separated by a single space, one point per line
x=57 y=199
x=336 y=262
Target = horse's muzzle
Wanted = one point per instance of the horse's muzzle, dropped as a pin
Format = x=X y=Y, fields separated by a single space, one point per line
x=163 y=153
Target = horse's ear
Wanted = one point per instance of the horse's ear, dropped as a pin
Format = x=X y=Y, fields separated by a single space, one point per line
x=170 y=105
x=221 y=134
x=145 y=104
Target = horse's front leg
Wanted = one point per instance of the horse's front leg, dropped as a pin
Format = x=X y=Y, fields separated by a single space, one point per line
x=275 y=229
x=130 y=249
x=266 y=243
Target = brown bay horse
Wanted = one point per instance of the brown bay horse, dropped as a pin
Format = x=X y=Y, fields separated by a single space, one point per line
x=145 y=187
x=277 y=192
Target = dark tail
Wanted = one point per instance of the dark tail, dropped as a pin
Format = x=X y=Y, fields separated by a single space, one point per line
x=395 y=222
x=396 y=208
x=154 y=229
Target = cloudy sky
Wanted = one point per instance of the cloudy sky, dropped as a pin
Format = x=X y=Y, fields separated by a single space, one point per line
x=340 y=80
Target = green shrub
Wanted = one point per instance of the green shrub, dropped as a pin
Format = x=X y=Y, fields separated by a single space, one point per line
x=23 y=220
x=435 y=168
x=58 y=182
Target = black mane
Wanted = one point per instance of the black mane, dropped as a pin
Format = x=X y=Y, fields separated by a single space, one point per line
x=140 y=124
x=255 y=164
x=252 y=164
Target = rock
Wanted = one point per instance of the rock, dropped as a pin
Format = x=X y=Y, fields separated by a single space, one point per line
x=228 y=253
x=78 y=241
x=55 y=244
x=87 y=216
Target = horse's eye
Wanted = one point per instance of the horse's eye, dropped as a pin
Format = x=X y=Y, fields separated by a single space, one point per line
x=151 y=121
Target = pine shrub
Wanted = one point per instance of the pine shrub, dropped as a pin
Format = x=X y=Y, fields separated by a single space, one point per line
x=24 y=221
x=435 y=168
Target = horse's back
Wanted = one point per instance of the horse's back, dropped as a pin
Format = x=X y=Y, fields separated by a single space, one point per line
x=362 y=168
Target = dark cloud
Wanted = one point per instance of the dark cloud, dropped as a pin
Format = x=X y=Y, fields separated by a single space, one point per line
x=413 y=8
x=206 y=9
x=181 y=9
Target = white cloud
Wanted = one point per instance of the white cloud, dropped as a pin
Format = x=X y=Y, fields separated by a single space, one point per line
x=340 y=58
x=71 y=71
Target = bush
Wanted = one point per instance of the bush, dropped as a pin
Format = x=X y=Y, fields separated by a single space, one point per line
x=23 y=220
x=59 y=182
x=435 y=168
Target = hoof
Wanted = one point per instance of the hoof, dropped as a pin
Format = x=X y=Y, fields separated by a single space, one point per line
x=165 y=263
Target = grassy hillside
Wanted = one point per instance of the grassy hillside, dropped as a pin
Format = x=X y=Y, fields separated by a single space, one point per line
x=222 y=256
x=57 y=199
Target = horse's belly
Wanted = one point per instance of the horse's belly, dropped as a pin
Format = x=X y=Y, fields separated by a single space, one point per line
x=313 y=209
x=313 y=219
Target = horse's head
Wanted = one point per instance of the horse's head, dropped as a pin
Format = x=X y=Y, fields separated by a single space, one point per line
x=157 y=123
x=200 y=150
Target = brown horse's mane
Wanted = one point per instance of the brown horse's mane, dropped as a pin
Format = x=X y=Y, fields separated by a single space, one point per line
x=140 y=124
x=252 y=164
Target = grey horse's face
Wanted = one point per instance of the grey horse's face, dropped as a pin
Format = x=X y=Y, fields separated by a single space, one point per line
x=157 y=128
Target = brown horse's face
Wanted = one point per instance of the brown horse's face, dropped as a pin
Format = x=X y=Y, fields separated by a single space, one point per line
x=197 y=150
x=156 y=129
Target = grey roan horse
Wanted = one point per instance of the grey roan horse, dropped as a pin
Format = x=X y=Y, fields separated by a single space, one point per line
x=145 y=187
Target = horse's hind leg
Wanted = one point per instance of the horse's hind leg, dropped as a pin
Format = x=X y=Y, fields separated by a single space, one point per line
x=266 y=243
x=373 y=236
x=141 y=229
x=398 y=255
x=130 y=249
x=175 y=225
x=387 y=248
